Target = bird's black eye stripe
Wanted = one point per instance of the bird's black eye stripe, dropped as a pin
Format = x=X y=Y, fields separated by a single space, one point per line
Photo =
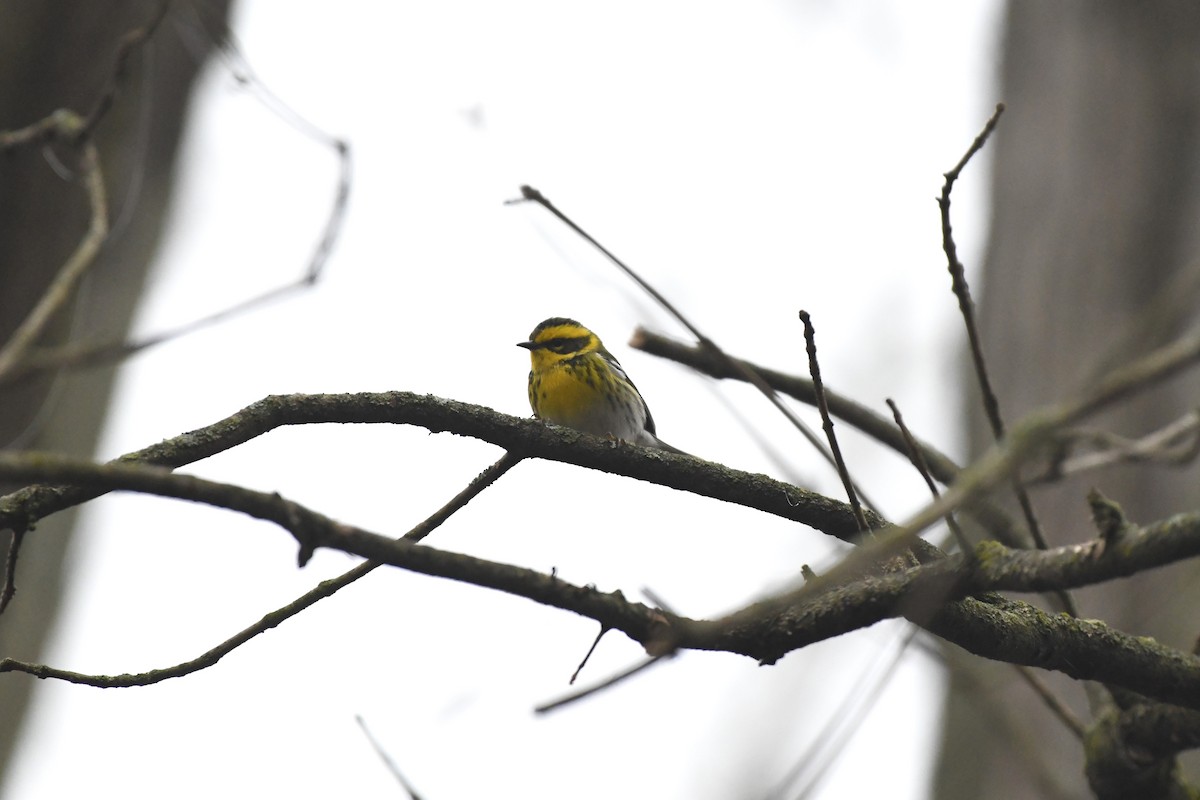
x=564 y=346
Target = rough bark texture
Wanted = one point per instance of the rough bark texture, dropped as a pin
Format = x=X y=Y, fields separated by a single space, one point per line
x=1093 y=260
x=60 y=54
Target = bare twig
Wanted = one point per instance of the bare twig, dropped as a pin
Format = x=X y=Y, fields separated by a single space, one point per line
x=73 y=269
x=10 y=567
x=814 y=370
x=1060 y=709
x=841 y=725
x=129 y=44
x=1174 y=444
x=323 y=590
x=959 y=280
x=588 y=655
x=957 y=272
x=68 y=126
x=962 y=291
x=1137 y=376
x=607 y=683
x=237 y=64
x=387 y=760
x=528 y=193
x=918 y=460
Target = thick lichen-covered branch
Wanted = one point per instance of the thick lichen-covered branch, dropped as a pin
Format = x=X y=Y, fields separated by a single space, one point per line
x=522 y=437
x=947 y=595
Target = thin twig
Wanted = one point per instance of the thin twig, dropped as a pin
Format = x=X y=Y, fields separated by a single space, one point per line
x=1137 y=376
x=962 y=290
x=68 y=126
x=239 y=67
x=840 y=726
x=1174 y=444
x=587 y=656
x=959 y=282
x=533 y=195
x=274 y=618
x=61 y=289
x=814 y=370
x=10 y=567
x=1060 y=709
x=61 y=124
x=918 y=460
x=387 y=759
x=80 y=355
x=1055 y=704
x=966 y=307
x=129 y=43
x=573 y=697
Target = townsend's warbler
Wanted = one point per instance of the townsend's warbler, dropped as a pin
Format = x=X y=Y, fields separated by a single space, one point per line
x=576 y=382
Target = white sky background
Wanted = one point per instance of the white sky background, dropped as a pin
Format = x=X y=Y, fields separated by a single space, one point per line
x=749 y=160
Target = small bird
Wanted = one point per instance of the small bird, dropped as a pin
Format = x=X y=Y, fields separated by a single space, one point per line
x=576 y=382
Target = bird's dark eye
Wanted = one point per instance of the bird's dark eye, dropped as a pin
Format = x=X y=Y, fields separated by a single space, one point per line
x=566 y=346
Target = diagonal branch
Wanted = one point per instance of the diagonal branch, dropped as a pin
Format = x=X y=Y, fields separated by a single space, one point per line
x=878 y=427
x=326 y=588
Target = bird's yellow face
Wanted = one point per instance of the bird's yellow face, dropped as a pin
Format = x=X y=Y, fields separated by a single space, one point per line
x=559 y=339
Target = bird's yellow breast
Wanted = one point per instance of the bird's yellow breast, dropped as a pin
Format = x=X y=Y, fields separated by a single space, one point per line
x=567 y=394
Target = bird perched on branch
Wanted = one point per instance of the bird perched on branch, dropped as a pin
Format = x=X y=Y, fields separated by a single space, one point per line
x=576 y=382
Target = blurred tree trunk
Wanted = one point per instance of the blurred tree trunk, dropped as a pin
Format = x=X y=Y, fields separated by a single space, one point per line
x=61 y=54
x=1093 y=260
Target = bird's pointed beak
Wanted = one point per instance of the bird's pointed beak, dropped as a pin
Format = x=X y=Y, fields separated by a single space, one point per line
x=526 y=345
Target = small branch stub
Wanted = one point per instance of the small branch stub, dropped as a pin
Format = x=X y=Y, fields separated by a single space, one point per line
x=1108 y=518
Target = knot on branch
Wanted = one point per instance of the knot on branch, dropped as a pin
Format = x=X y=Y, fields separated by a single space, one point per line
x=1108 y=517
x=1119 y=768
x=661 y=640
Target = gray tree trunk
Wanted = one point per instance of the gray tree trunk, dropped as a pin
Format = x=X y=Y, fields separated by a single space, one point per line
x=1093 y=260
x=61 y=54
